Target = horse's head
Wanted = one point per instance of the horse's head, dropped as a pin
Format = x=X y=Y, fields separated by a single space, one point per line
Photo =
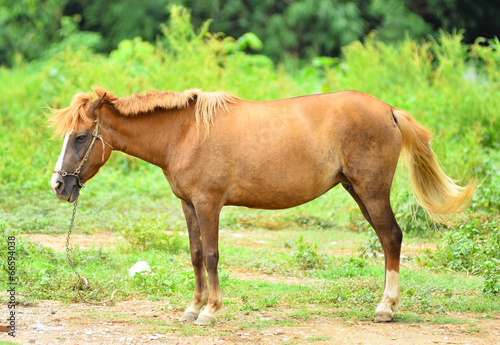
x=83 y=153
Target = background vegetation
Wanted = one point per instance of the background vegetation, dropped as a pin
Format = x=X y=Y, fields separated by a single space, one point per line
x=447 y=84
x=304 y=28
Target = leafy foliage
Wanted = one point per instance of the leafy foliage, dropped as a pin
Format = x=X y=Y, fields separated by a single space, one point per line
x=396 y=20
x=119 y=20
x=306 y=255
x=27 y=27
x=476 y=17
x=149 y=233
x=473 y=248
x=305 y=28
x=372 y=247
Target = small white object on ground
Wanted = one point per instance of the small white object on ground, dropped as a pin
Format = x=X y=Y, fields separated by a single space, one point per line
x=141 y=266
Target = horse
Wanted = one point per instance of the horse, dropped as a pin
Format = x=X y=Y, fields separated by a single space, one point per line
x=216 y=149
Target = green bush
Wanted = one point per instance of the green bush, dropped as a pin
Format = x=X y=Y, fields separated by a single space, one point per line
x=306 y=256
x=473 y=248
x=148 y=232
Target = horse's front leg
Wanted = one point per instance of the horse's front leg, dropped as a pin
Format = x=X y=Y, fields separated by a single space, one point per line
x=195 y=246
x=207 y=213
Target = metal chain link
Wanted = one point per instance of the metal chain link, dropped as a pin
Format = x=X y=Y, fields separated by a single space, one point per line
x=80 y=279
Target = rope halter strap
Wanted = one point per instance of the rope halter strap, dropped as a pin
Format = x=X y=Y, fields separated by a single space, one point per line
x=95 y=136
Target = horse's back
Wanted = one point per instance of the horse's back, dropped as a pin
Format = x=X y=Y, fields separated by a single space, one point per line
x=344 y=122
x=345 y=108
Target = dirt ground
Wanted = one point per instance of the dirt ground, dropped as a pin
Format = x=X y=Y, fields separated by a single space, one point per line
x=155 y=322
x=152 y=322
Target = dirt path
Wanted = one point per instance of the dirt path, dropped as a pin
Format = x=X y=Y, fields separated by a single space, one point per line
x=155 y=322
x=57 y=242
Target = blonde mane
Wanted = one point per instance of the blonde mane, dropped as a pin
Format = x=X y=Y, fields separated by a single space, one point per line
x=206 y=106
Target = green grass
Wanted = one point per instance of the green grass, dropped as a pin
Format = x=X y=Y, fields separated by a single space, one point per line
x=347 y=287
x=318 y=338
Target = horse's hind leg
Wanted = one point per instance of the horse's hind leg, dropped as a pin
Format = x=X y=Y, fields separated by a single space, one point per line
x=377 y=210
x=390 y=236
x=195 y=245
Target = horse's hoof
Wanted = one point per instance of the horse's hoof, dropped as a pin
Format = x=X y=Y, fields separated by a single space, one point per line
x=205 y=320
x=384 y=316
x=189 y=316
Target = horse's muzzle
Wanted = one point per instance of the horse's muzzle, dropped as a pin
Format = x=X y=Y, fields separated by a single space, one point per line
x=65 y=188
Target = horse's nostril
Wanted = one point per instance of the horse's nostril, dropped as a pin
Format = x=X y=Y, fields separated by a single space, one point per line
x=59 y=186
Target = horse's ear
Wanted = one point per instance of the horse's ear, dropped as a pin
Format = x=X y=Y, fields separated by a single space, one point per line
x=96 y=105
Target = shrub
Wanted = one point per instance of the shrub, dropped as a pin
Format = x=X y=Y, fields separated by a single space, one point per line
x=306 y=255
x=473 y=248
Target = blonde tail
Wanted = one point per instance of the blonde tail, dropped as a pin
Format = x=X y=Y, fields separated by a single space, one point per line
x=435 y=191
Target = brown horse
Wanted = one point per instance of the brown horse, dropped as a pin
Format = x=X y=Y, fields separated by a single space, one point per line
x=269 y=155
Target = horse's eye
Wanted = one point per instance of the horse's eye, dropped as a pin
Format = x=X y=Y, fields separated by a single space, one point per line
x=80 y=138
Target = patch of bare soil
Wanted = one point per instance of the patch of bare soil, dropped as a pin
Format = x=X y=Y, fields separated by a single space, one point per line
x=269 y=277
x=152 y=322
x=57 y=242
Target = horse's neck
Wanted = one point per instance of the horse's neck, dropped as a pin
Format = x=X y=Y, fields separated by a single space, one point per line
x=152 y=137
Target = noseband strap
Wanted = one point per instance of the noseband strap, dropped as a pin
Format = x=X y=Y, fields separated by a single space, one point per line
x=95 y=136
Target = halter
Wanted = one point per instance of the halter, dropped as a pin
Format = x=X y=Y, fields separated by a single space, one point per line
x=95 y=136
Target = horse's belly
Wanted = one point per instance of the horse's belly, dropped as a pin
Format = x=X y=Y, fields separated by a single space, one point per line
x=277 y=201
x=283 y=184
